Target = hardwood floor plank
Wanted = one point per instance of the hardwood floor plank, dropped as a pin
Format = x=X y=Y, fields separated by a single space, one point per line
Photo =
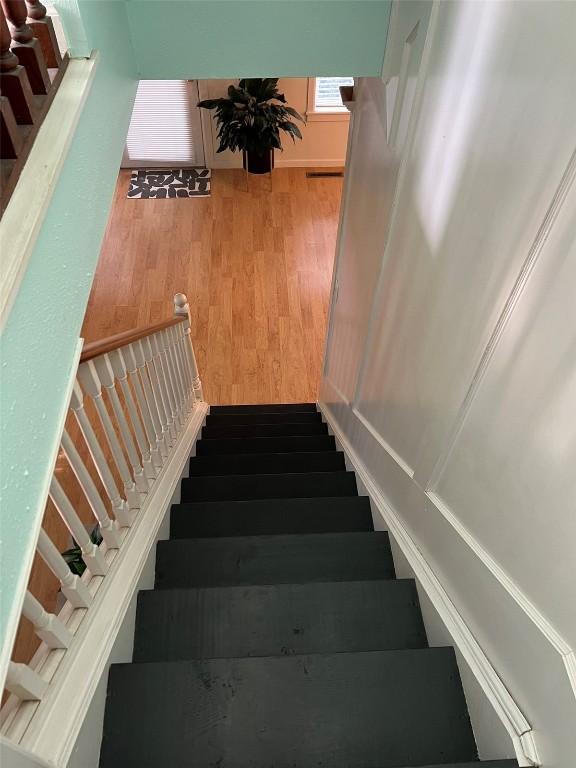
x=256 y=264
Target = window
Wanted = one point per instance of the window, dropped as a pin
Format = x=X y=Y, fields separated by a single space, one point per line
x=165 y=125
x=324 y=102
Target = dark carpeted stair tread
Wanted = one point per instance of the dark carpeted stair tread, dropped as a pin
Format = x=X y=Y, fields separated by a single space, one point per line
x=382 y=708
x=302 y=417
x=270 y=516
x=264 y=430
x=276 y=620
x=265 y=408
x=271 y=486
x=279 y=559
x=264 y=463
x=278 y=444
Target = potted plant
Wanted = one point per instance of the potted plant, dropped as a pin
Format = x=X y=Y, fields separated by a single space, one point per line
x=251 y=118
x=73 y=556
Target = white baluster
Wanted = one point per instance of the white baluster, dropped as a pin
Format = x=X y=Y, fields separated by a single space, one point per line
x=48 y=627
x=160 y=360
x=176 y=375
x=119 y=505
x=89 y=379
x=24 y=682
x=120 y=371
x=91 y=553
x=180 y=341
x=106 y=375
x=108 y=528
x=156 y=377
x=178 y=338
x=181 y=307
x=158 y=342
x=72 y=586
x=134 y=355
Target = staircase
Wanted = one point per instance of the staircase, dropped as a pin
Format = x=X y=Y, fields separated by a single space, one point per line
x=277 y=634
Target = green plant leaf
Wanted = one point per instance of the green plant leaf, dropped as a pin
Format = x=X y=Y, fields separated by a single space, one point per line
x=252 y=116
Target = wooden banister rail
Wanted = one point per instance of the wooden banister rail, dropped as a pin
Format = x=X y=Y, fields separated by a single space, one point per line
x=109 y=344
x=134 y=399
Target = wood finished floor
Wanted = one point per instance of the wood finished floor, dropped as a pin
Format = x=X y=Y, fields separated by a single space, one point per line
x=256 y=264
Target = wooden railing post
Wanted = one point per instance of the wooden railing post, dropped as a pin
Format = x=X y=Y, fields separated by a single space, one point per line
x=72 y=586
x=89 y=379
x=135 y=363
x=24 y=682
x=92 y=555
x=119 y=505
x=161 y=364
x=10 y=136
x=155 y=373
x=120 y=371
x=43 y=30
x=182 y=308
x=105 y=373
x=108 y=528
x=48 y=627
x=13 y=78
x=26 y=47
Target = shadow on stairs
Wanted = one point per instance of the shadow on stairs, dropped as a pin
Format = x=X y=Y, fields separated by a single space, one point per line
x=277 y=635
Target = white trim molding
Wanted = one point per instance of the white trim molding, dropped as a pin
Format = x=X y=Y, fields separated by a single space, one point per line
x=336 y=162
x=24 y=214
x=508 y=712
x=322 y=114
x=383 y=443
x=58 y=718
x=550 y=633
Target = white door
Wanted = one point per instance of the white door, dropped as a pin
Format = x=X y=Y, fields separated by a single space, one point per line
x=165 y=129
x=380 y=119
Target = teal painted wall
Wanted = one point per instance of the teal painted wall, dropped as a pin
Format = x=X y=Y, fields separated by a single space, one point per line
x=40 y=338
x=258 y=38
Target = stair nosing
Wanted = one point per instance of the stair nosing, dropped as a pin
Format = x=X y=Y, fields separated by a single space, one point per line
x=263 y=501
x=279 y=585
x=260 y=537
x=449 y=649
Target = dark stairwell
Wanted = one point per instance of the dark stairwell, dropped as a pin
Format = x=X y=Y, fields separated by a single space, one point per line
x=277 y=635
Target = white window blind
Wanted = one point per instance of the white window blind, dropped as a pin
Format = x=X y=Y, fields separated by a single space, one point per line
x=165 y=126
x=327 y=93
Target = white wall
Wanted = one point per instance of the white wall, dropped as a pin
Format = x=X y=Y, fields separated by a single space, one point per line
x=323 y=142
x=451 y=360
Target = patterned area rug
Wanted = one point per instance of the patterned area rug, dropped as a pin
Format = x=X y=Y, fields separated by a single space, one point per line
x=181 y=182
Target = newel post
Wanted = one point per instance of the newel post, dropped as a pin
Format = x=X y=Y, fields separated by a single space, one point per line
x=26 y=46
x=13 y=78
x=182 y=309
x=43 y=29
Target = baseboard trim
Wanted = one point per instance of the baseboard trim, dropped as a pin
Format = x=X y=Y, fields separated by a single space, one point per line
x=326 y=163
x=219 y=165
x=56 y=724
x=497 y=694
